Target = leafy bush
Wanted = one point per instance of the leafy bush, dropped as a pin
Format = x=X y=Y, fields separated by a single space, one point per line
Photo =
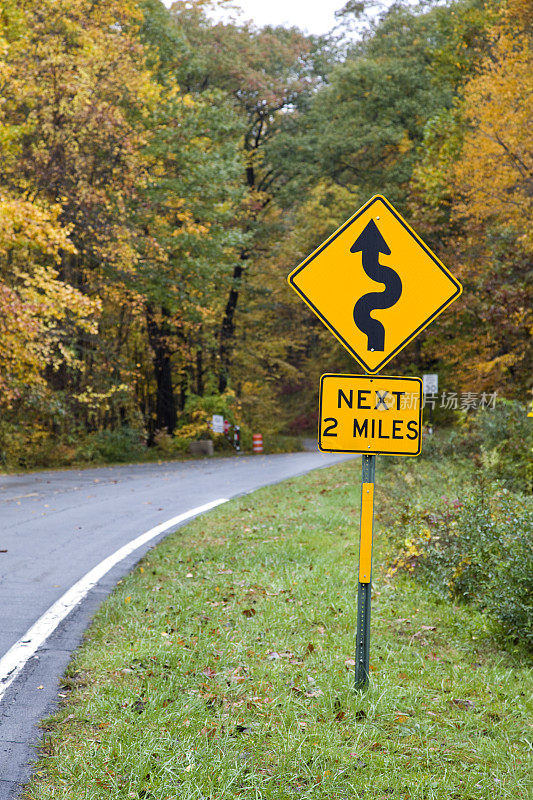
x=198 y=413
x=277 y=443
x=121 y=445
x=456 y=442
x=506 y=443
x=481 y=551
x=499 y=438
x=34 y=446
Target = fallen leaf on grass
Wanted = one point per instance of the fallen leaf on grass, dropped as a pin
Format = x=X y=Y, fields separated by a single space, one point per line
x=249 y=612
x=209 y=672
x=419 y=638
x=340 y=715
x=310 y=648
x=237 y=676
x=349 y=663
x=462 y=703
x=272 y=655
x=359 y=762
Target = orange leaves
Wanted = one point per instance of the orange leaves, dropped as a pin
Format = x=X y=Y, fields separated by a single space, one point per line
x=494 y=171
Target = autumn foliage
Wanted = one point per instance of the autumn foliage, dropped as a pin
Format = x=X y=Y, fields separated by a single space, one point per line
x=161 y=173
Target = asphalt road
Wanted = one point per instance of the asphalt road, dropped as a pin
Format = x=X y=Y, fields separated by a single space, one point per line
x=56 y=526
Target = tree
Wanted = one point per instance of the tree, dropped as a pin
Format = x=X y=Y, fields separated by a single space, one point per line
x=190 y=218
x=492 y=181
x=37 y=310
x=77 y=97
x=264 y=72
x=495 y=172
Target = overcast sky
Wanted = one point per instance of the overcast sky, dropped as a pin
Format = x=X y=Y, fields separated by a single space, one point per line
x=312 y=16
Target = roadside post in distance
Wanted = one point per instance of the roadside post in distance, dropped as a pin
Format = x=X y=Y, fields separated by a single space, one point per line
x=217 y=423
x=431 y=386
x=342 y=282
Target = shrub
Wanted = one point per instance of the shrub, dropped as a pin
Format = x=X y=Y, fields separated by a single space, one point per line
x=164 y=442
x=195 y=422
x=277 y=443
x=506 y=443
x=480 y=550
x=33 y=445
x=499 y=438
x=121 y=445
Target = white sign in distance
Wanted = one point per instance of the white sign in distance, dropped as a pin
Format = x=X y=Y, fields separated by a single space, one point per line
x=218 y=423
x=431 y=383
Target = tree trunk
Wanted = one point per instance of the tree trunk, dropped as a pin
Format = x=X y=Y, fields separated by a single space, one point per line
x=158 y=335
x=227 y=329
x=199 y=373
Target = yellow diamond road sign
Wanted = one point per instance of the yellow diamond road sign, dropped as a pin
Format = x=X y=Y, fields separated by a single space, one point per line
x=375 y=284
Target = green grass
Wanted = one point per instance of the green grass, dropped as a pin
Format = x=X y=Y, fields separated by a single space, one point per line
x=223 y=666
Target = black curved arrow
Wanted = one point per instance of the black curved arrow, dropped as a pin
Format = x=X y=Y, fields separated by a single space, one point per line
x=372 y=243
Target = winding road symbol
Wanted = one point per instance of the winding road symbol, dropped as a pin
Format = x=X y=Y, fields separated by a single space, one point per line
x=372 y=243
x=375 y=309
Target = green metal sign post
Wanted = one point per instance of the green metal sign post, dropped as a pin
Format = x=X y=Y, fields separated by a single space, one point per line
x=362 y=653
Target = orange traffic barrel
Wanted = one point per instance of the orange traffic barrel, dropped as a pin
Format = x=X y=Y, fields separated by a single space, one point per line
x=257 y=442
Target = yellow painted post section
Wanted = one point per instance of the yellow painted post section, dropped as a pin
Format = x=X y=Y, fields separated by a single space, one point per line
x=365 y=547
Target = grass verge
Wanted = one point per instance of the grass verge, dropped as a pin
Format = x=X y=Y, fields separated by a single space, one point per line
x=223 y=666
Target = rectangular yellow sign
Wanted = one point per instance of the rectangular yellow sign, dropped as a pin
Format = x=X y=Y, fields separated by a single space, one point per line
x=365 y=544
x=372 y=415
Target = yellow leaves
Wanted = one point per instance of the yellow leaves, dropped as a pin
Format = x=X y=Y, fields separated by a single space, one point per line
x=187 y=100
x=494 y=171
x=33 y=302
x=98 y=401
x=25 y=225
x=405 y=144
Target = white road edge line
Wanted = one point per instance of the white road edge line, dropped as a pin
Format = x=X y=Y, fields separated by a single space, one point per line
x=19 y=654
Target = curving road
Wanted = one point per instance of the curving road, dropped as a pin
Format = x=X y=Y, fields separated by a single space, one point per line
x=55 y=527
